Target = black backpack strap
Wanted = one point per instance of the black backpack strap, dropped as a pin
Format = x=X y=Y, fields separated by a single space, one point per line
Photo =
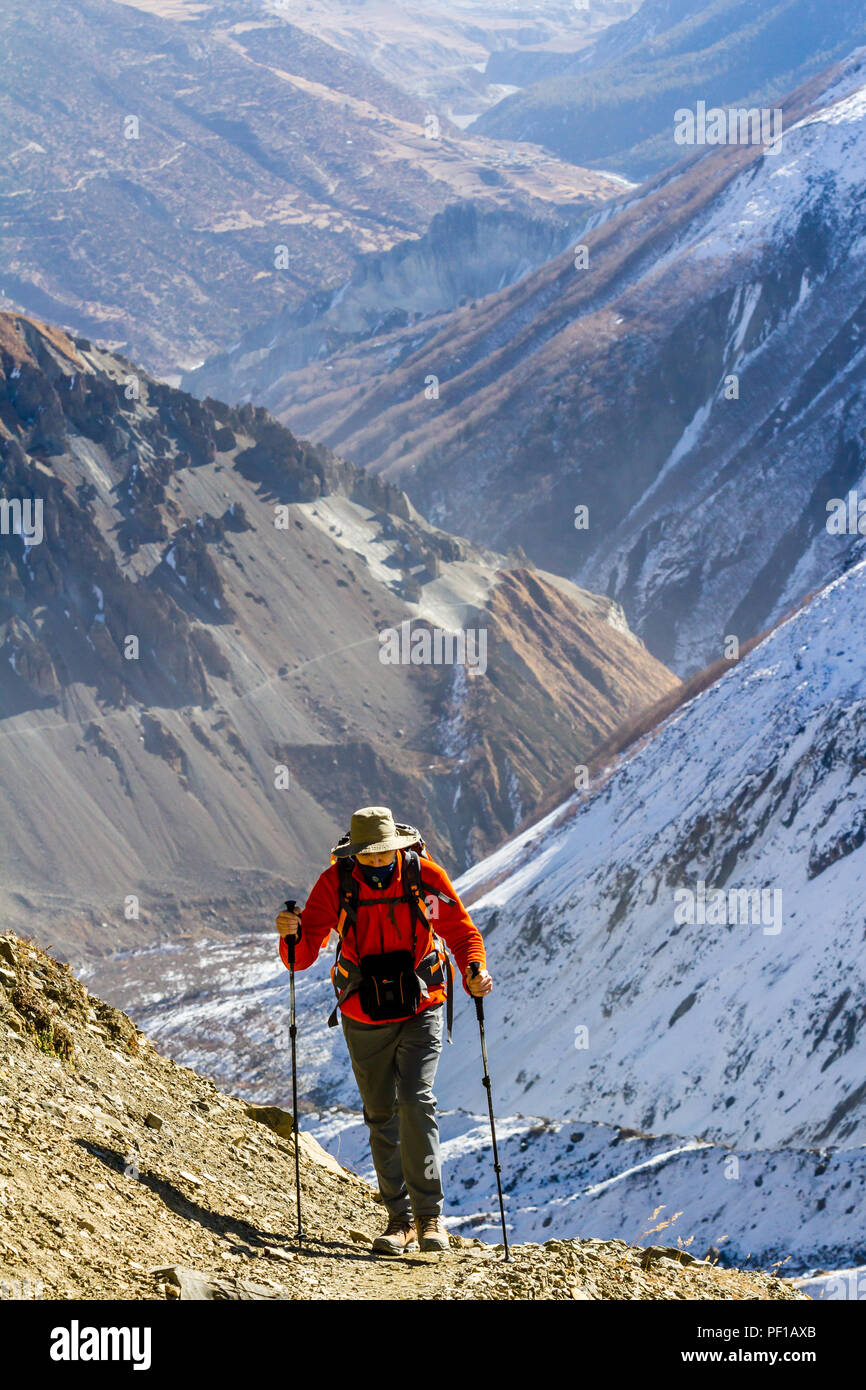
x=348 y=917
x=348 y=893
x=417 y=891
x=353 y=982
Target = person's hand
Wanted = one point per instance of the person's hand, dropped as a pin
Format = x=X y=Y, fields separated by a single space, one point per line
x=479 y=984
x=288 y=924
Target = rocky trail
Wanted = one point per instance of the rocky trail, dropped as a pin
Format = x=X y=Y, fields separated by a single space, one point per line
x=126 y=1176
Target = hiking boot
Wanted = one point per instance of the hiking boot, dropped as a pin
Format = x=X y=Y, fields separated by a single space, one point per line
x=398 y=1239
x=431 y=1234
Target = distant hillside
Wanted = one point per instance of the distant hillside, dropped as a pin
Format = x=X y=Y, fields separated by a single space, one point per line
x=710 y=337
x=188 y=179
x=192 y=699
x=612 y=105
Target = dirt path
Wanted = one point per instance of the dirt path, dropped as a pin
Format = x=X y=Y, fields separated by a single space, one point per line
x=125 y=1176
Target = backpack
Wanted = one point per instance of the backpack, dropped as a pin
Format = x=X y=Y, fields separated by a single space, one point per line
x=435 y=962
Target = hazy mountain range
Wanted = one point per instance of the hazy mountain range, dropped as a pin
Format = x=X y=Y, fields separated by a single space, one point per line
x=197 y=170
x=709 y=336
x=611 y=104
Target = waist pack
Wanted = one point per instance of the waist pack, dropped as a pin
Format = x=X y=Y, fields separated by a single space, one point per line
x=389 y=986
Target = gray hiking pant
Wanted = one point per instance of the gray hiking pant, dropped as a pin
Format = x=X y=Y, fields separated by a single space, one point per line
x=395 y=1067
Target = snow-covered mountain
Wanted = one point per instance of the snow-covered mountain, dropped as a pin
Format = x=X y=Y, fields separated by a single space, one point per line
x=779 y=258
x=633 y=985
x=758 y=1206
x=697 y=384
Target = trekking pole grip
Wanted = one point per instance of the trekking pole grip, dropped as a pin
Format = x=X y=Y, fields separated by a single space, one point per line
x=475 y=971
x=292 y=941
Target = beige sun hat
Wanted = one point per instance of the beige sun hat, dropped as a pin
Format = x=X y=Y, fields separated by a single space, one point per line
x=373 y=831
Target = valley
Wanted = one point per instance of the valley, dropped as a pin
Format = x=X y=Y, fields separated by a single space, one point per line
x=711 y=334
x=460 y=407
x=190 y=668
x=197 y=170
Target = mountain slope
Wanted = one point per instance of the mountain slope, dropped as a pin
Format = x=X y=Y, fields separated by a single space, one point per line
x=125 y=1176
x=612 y=104
x=192 y=687
x=638 y=1060
x=438 y=51
x=714 y=338
x=468 y=251
x=735 y=1031
x=193 y=178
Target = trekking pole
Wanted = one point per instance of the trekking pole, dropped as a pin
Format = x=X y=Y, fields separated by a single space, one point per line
x=474 y=968
x=291 y=942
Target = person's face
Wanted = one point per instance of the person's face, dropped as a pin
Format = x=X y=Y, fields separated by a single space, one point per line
x=377 y=861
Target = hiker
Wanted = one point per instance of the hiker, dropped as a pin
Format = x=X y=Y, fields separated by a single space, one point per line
x=390 y=978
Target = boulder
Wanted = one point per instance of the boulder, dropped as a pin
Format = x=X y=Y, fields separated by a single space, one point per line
x=281 y=1122
x=193 y=1285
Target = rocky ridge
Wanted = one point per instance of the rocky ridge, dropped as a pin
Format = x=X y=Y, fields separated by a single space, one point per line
x=191 y=681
